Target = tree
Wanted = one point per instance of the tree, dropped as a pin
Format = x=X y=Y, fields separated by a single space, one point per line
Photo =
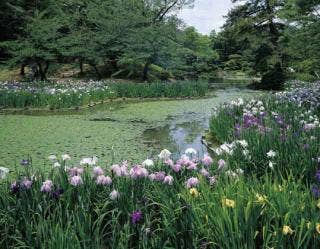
x=255 y=30
x=38 y=47
x=10 y=23
x=150 y=50
x=35 y=35
x=231 y=47
x=14 y=16
x=108 y=35
x=196 y=56
x=304 y=21
x=149 y=42
x=98 y=33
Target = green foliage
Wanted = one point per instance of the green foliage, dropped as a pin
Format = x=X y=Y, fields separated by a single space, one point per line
x=85 y=216
x=131 y=38
x=234 y=63
x=104 y=34
x=303 y=49
x=274 y=78
x=55 y=96
x=195 y=58
x=303 y=77
x=269 y=36
x=38 y=47
x=278 y=129
x=169 y=90
x=252 y=33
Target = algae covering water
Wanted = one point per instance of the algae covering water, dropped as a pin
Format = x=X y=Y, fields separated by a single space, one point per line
x=113 y=132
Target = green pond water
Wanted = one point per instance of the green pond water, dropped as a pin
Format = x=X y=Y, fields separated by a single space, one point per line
x=113 y=132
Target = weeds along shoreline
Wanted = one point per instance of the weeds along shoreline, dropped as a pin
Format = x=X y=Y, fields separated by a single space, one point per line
x=123 y=100
x=85 y=93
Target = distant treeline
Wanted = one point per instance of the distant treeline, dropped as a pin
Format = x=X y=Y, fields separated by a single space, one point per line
x=144 y=39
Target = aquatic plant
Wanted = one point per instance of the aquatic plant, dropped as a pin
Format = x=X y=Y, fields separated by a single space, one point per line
x=282 y=135
x=69 y=94
x=97 y=210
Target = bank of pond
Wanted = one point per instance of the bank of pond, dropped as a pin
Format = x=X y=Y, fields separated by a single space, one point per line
x=67 y=94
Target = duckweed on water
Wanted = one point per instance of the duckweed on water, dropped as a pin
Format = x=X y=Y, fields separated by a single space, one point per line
x=119 y=135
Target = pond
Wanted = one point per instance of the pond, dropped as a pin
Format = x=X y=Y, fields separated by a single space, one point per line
x=132 y=130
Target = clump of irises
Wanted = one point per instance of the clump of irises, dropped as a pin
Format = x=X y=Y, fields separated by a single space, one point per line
x=187 y=163
x=70 y=94
x=315 y=189
x=303 y=94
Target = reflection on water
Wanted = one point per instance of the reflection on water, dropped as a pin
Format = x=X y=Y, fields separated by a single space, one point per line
x=185 y=130
x=178 y=135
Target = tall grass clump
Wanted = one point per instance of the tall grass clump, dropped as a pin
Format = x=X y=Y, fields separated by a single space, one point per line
x=75 y=94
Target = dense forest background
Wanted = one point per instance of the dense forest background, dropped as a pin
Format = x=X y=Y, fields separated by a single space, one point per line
x=144 y=39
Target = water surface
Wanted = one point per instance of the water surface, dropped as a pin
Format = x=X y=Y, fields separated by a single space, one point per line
x=113 y=132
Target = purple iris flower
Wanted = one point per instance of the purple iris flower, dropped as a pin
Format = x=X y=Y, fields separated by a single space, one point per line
x=57 y=193
x=24 y=162
x=15 y=187
x=136 y=216
x=306 y=146
x=160 y=176
x=315 y=191
x=280 y=121
x=250 y=121
x=26 y=183
x=318 y=176
x=237 y=130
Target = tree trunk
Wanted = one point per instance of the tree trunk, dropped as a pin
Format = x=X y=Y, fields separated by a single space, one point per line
x=114 y=65
x=35 y=70
x=41 y=71
x=46 y=68
x=94 y=66
x=274 y=78
x=22 y=71
x=81 y=66
x=145 y=71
